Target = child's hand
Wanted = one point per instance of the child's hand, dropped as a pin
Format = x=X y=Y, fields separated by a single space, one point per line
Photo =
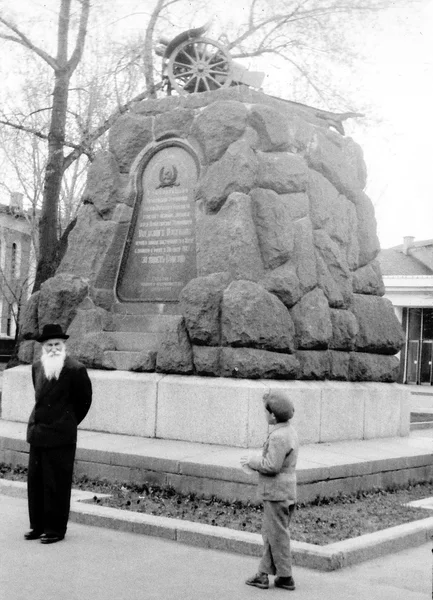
x=244 y=460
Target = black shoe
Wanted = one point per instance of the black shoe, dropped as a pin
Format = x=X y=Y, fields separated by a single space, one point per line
x=287 y=583
x=51 y=538
x=260 y=580
x=33 y=535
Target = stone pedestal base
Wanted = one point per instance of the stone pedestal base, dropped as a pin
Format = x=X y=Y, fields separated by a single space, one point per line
x=224 y=411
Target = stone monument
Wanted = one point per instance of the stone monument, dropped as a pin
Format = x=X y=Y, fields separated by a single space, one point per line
x=227 y=234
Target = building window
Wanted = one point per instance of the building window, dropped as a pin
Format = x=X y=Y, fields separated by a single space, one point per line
x=11 y=327
x=15 y=260
x=418 y=351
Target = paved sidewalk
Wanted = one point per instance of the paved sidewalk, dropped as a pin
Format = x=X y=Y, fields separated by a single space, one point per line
x=101 y=564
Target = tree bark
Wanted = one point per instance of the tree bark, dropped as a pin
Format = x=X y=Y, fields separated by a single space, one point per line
x=63 y=70
x=48 y=234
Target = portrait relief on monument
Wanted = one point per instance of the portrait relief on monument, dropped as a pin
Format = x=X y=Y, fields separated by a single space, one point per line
x=160 y=251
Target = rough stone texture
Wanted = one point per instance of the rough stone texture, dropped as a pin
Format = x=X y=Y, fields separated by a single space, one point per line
x=122 y=214
x=29 y=327
x=128 y=136
x=103 y=298
x=26 y=351
x=255 y=364
x=344 y=329
x=297 y=204
x=89 y=318
x=274 y=227
x=282 y=172
x=178 y=122
x=251 y=316
x=327 y=154
x=200 y=302
x=339 y=365
x=323 y=195
x=102 y=183
x=227 y=241
x=304 y=255
x=369 y=246
x=146 y=362
x=234 y=172
x=314 y=364
x=379 y=330
x=335 y=265
x=312 y=320
x=175 y=352
x=342 y=228
x=373 y=367
x=219 y=125
x=301 y=132
x=328 y=284
x=207 y=360
x=284 y=283
x=59 y=299
x=89 y=348
x=368 y=280
x=279 y=202
x=88 y=243
x=271 y=126
x=109 y=263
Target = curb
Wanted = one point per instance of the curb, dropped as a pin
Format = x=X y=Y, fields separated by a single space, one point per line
x=324 y=558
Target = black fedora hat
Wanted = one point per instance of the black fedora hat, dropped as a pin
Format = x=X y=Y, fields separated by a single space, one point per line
x=52 y=331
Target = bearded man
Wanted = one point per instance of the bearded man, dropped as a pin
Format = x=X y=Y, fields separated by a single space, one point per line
x=63 y=395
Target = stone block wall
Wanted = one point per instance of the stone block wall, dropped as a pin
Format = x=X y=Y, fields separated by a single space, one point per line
x=288 y=284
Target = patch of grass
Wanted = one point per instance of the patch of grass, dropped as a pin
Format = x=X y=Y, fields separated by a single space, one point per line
x=322 y=521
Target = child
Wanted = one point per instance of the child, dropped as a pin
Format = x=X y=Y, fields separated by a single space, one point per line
x=277 y=489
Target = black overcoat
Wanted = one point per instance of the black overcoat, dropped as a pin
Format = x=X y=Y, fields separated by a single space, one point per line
x=60 y=404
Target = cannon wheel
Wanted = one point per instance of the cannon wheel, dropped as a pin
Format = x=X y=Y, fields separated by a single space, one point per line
x=199 y=65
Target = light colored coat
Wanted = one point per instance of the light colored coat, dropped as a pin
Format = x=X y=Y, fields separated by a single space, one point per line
x=277 y=463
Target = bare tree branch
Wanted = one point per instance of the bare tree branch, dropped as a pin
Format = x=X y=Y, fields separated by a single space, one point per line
x=82 y=31
x=105 y=126
x=22 y=39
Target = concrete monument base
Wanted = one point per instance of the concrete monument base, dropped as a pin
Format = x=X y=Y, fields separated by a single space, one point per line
x=224 y=411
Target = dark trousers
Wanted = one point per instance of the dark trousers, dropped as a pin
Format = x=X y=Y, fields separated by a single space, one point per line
x=277 y=557
x=49 y=484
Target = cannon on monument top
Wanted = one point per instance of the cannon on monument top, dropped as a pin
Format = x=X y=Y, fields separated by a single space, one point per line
x=193 y=63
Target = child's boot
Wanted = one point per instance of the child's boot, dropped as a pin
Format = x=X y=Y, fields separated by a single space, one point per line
x=287 y=583
x=260 y=580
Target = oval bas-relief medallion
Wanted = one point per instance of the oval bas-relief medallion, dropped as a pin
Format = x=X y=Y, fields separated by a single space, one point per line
x=160 y=252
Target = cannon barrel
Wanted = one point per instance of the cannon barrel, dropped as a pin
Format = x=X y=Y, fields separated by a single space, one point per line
x=163 y=40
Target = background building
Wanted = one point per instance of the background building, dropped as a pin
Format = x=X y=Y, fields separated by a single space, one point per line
x=408 y=277
x=15 y=269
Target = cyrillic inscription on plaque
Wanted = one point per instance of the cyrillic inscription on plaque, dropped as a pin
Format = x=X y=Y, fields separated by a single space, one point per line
x=160 y=255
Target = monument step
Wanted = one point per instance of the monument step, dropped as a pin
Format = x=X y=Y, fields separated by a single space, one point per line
x=137 y=342
x=325 y=470
x=146 y=308
x=142 y=323
x=120 y=360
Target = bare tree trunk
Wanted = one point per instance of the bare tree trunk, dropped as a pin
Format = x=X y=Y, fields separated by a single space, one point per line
x=48 y=236
x=63 y=70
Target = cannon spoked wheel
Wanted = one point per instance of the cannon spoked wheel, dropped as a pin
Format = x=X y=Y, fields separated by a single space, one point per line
x=199 y=65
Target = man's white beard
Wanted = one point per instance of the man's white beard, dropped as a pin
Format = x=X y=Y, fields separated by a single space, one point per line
x=53 y=364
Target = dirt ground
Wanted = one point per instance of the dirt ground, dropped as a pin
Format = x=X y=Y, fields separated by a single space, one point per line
x=321 y=522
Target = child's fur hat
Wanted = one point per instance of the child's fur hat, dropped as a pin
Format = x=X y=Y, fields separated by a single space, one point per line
x=279 y=405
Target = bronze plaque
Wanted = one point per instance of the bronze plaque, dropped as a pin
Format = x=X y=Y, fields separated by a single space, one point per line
x=160 y=253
